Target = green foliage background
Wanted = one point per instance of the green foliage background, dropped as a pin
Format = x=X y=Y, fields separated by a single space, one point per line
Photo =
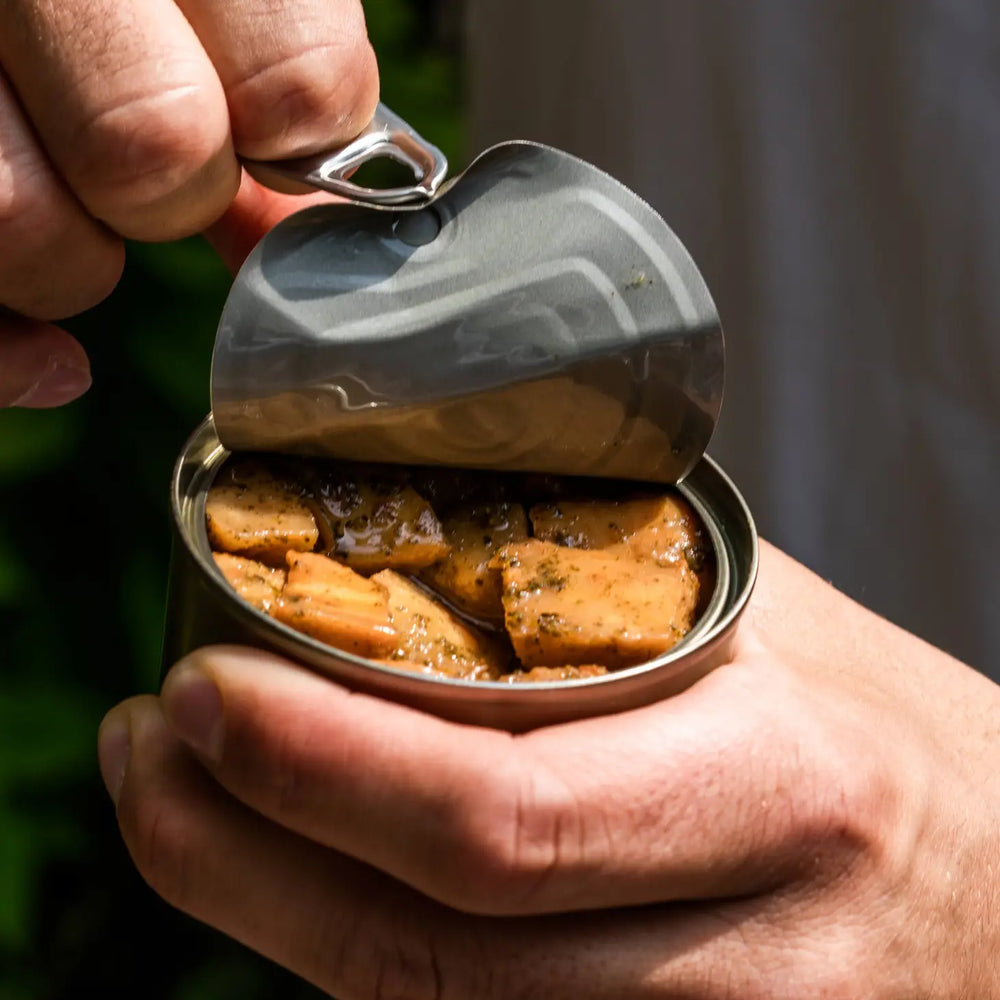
x=84 y=545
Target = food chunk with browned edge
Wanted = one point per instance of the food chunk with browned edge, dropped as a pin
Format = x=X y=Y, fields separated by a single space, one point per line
x=379 y=521
x=256 y=583
x=661 y=529
x=435 y=639
x=565 y=607
x=476 y=533
x=252 y=513
x=332 y=603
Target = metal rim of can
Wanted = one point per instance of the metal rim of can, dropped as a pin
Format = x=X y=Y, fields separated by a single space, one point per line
x=707 y=488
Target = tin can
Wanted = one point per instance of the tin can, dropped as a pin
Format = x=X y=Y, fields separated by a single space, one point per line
x=532 y=314
x=203 y=609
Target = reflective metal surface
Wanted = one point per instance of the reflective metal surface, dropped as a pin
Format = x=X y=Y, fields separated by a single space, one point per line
x=386 y=136
x=534 y=315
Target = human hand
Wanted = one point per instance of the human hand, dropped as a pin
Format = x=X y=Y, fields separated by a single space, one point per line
x=125 y=120
x=818 y=818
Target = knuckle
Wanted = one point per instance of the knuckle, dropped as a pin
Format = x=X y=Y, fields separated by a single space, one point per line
x=317 y=96
x=154 y=833
x=56 y=297
x=481 y=877
x=854 y=806
x=281 y=770
x=418 y=954
x=390 y=961
x=54 y=262
x=286 y=785
x=147 y=149
x=27 y=197
x=16 y=196
x=860 y=794
x=100 y=281
x=508 y=847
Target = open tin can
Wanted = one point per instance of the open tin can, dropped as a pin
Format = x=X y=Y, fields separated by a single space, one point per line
x=531 y=315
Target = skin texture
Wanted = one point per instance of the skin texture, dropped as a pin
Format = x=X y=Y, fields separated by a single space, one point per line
x=817 y=818
x=126 y=120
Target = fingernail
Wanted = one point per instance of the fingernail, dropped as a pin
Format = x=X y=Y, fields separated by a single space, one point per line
x=60 y=383
x=113 y=748
x=193 y=707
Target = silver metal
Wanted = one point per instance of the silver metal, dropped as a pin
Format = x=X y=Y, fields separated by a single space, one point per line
x=386 y=136
x=203 y=609
x=533 y=315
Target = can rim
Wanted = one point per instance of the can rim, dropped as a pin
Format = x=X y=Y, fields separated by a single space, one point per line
x=728 y=601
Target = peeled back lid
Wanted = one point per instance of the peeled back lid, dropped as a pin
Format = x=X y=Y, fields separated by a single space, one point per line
x=533 y=315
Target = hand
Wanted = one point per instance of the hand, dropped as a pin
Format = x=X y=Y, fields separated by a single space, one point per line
x=818 y=818
x=124 y=120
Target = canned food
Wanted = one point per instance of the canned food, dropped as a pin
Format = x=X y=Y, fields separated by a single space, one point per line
x=204 y=609
x=532 y=316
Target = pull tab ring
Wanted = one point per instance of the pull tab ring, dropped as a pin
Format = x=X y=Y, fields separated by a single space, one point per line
x=386 y=136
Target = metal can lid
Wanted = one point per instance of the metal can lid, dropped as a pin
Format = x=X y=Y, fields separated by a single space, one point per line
x=533 y=315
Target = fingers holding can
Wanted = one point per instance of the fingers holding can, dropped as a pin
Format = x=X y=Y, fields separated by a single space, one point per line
x=357 y=933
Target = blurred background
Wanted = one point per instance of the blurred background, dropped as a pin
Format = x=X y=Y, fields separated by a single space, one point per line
x=831 y=166
x=84 y=548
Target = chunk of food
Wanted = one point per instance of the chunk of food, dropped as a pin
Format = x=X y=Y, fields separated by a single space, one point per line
x=435 y=570
x=539 y=675
x=565 y=607
x=379 y=522
x=661 y=529
x=256 y=583
x=475 y=533
x=332 y=603
x=250 y=512
x=433 y=638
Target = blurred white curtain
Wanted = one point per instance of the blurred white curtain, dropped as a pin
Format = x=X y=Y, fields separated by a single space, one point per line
x=834 y=168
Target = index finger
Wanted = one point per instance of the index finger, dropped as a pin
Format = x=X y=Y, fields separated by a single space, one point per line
x=129 y=110
x=298 y=77
x=675 y=801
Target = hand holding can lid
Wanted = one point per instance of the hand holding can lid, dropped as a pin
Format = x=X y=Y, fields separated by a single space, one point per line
x=127 y=120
